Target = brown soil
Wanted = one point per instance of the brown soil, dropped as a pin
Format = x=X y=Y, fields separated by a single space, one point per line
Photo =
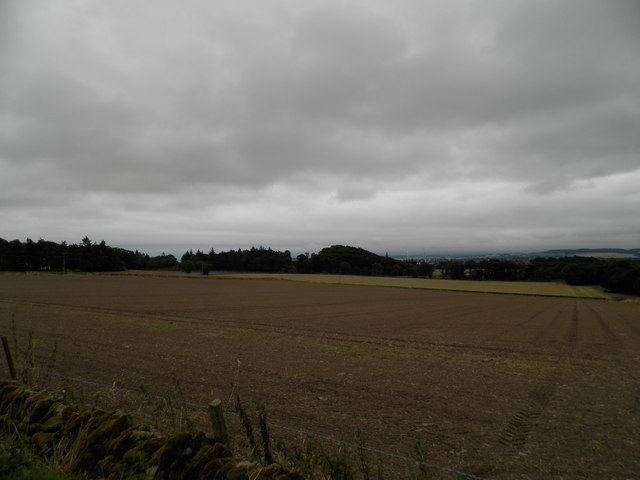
x=503 y=386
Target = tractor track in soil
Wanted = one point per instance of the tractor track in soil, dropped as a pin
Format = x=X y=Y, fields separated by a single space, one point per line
x=515 y=434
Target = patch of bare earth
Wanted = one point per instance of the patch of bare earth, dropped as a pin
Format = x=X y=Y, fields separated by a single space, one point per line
x=507 y=387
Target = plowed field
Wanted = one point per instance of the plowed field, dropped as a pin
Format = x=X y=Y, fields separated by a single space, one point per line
x=501 y=386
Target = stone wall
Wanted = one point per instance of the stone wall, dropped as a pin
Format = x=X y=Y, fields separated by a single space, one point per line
x=110 y=445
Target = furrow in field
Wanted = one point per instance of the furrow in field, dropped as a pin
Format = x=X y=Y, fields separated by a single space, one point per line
x=474 y=377
x=265 y=328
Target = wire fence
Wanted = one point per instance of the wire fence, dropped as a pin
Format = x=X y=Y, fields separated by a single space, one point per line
x=416 y=462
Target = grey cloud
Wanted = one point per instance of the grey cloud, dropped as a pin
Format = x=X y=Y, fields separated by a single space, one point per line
x=346 y=105
x=353 y=39
x=526 y=79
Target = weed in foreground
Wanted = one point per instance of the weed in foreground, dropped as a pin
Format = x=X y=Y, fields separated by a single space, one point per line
x=264 y=435
x=14 y=457
x=27 y=368
x=338 y=466
x=168 y=414
x=315 y=461
x=247 y=425
x=423 y=470
x=182 y=418
x=50 y=366
x=364 y=463
x=19 y=462
x=234 y=382
x=66 y=454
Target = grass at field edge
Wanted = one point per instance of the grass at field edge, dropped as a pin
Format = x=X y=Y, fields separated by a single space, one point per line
x=547 y=289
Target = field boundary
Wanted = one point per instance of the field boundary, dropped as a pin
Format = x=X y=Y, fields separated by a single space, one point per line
x=433 y=466
x=527 y=288
x=544 y=289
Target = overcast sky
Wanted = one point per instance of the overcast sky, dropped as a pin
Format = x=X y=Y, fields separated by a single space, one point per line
x=401 y=125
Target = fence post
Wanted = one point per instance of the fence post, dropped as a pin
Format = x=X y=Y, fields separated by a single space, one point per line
x=217 y=422
x=7 y=352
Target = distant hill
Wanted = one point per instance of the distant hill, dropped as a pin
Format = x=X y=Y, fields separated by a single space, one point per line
x=355 y=260
x=593 y=252
x=614 y=253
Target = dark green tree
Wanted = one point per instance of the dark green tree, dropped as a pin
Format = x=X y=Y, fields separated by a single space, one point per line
x=453 y=269
x=344 y=268
x=425 y=269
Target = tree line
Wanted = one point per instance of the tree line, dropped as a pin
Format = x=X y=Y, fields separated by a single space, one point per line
x=615 y=275
x=253 y=260
x=86 y=256
x=335 y=259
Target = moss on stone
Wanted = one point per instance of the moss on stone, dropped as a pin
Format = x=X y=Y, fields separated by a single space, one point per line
x=96 y=417
x=21 y=427
x=106 y=428
x=143 y=451
x=231 y=471
x=211 y=468
x=7 y=392
x=105 y=465
x=240 y=471
x=43 y=441
x=75 y=422
x=273 y=472
x=34 y=428
x=60 y=414
x=6 y=422
x=13 y=401
x=286 y=475
x=116 y=449
x=205 y=461
x=4 y=382
x=38 y=407
x=127 y=440
x=174 y=454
